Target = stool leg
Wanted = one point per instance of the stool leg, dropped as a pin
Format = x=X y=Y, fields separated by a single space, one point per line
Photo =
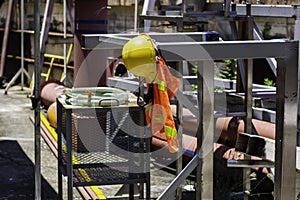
x=131 y=191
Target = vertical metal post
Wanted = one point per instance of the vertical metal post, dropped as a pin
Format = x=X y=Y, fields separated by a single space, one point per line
x=179 y=111
x=148 y=149
x=241 y=64
x=286 y=126
x=70 y=5
x=135 y=15
x=183 y=8
x=199 y=130
x=227 y=8
x=5 y=37
x=22 y=43
x=46 y=17
x=148 y=6
x=248 y=120
x=297 y=37
x=37 y=65
x=22 y=69
x=207 y=113
x=249 y=76
x=69 y=153
x=45 y=28
x=248 y=95
x=44 y=34
x=59 y=148
x=65 y=45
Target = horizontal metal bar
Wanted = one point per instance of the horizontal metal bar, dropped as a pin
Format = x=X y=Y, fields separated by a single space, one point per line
x=90 y=22
x=230 y=114
x=250 y=163
x=196 y=51
x=256 y=10
x=129 y=84
x=269 y=10
x=162 y=17
x=92 y=40
x=231 y=84
x=223 y=50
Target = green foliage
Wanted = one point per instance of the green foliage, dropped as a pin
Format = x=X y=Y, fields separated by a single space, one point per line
x=229 y=71
x=269 y=82
x=195 y=70
x=194 y=87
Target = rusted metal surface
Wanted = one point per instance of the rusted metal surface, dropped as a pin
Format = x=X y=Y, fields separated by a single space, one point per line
x=94 y=21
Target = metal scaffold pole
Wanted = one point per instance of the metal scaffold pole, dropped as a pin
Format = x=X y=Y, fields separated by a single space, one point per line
x=5 y=37
x=65 y=45
x=37 y=138
x=22 y=70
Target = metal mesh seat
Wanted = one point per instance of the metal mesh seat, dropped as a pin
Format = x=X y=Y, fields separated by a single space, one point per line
x=110 y=145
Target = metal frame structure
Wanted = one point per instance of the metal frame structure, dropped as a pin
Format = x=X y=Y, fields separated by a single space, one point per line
x=22 y=70
x=5 y=36
x=40 y=38
x=231 y=13
x=37 y=108
x=270 y=10
x=264 y=49
x=67 y=161
x=215 y=10
x=218 y=11
x=44 y=36
x=286 y=53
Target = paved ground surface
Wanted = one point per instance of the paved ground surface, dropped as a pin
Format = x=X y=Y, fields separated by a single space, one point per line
x=17 y=150
x=17 y=155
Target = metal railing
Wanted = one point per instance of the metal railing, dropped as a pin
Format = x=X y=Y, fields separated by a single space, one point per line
x=286 y=53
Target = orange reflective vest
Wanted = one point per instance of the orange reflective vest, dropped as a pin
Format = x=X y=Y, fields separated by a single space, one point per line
x=158 y=112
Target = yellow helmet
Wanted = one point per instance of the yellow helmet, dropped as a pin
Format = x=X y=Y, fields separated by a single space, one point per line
x=139 y=56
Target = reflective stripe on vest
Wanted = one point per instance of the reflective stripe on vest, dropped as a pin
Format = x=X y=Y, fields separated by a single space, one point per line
x=161 y=85
x=170 y=132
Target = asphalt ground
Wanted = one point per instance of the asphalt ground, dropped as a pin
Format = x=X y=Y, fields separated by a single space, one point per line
x=17 y=151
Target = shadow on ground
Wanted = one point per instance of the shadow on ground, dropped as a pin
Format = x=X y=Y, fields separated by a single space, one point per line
x=17 y=175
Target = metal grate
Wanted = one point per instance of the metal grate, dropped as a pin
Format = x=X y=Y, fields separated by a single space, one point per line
x=109 y=145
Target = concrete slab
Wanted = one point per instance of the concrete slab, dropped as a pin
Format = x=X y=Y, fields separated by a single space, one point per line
x=17 y=147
